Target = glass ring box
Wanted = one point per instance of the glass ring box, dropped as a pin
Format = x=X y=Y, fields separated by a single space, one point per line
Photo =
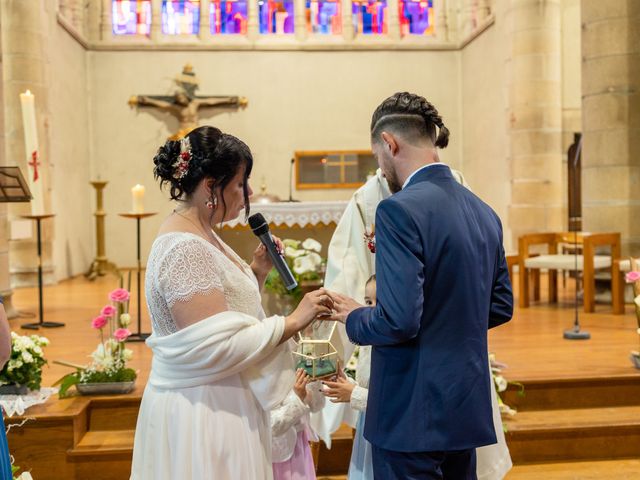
x=316 y=353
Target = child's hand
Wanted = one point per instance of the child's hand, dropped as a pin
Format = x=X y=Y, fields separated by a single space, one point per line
x=339 y=391
x=300 y=387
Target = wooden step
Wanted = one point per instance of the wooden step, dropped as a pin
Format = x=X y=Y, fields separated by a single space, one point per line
x=336 y=460
x=104 y=443
x=597 y=391
x=574 y=434
x=625 y=469
x=103 y=455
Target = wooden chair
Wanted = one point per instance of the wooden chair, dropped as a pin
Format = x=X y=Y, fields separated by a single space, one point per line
x=553 y=262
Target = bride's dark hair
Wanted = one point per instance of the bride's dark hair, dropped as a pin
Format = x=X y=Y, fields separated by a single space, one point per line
x=213 y=154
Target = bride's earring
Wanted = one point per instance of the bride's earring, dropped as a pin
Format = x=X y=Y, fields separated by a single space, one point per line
x=212 y=203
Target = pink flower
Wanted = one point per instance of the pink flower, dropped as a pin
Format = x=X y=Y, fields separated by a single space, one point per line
x=108 y=311
x=121 y=334
x=119 y=295
x=632 y=277
x=99 y=322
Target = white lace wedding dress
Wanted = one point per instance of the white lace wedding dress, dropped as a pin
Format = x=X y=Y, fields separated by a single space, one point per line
x=205 y=410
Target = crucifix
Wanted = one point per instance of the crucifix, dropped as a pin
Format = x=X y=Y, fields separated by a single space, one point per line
x=185 y=104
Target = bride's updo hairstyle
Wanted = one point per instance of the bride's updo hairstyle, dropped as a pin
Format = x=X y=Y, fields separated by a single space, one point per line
x=205 y=152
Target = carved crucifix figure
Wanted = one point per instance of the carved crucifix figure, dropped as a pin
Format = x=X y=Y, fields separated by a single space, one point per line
x=185 y=104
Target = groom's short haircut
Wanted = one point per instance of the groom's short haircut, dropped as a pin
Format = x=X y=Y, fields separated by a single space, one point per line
x=410 y=116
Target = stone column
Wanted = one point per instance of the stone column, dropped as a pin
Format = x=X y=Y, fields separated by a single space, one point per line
x=253 y=25
x=484 y=10
x=300 y=20
x=441 y=27
x=205 y=21
x=393 y=21
x=24 y=40
x=535 y=117
x=156 y=20
x=468 y=17
x=348 y=32
x=611 y=119
x=5 y=279
x=106 y=29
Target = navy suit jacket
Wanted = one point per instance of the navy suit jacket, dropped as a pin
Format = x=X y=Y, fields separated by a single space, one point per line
x=442 y=282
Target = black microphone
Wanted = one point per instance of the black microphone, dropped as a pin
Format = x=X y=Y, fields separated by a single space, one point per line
x=293 y=161
x=260 y=228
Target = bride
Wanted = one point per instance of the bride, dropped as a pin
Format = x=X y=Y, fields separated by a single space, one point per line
x=219 y=366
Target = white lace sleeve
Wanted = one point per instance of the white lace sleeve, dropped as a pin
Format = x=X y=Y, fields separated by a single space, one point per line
x=188 y=268
x=287 y=415
x=359 y=398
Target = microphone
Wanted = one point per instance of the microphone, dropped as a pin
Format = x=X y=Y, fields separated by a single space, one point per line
x=260 y=229
x=293 y=161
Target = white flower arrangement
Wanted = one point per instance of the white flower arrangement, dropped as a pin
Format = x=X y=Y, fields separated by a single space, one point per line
x=305 y=262
x=25 y=364
x=501 y=384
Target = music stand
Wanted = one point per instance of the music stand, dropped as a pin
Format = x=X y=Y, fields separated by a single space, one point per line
x=13 y=187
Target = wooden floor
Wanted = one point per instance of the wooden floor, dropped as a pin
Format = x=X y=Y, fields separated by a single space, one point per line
x=579 y=393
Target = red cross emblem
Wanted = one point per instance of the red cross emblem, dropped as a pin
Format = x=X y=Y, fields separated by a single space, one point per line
x=35 y=164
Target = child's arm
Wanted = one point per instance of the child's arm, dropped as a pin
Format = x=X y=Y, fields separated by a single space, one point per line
x=358 y=399
x=287 y=415
x=293 y=408
x=315 y=398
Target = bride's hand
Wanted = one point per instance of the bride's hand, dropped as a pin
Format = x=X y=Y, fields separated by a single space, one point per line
x=312 y=305
x=262 y=264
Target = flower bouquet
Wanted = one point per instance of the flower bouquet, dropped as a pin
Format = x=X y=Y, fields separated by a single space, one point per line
x=633 y=277
x=501 y=384
x=108 y=371
x=23 y=371
x=305 y=263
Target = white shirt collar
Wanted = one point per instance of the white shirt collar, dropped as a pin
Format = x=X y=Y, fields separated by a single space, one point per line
x=406 y=182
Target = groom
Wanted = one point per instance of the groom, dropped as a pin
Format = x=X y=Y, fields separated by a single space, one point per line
x=442 y=282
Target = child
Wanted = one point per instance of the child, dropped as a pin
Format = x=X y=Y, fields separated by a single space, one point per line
x=291 y=433
x=342 y=390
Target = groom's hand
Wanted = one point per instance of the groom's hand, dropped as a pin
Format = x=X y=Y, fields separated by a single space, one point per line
x=342 y=307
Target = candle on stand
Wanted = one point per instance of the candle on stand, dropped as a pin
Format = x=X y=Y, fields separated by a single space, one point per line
x=137 y=194
x=34 y=172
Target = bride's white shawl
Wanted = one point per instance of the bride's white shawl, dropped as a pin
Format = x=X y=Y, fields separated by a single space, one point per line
x=221 y=345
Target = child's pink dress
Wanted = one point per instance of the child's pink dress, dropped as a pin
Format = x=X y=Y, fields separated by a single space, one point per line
x=291 y=434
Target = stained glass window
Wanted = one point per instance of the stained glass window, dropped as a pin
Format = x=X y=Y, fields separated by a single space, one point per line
x=131 y=17
x=229 y=16
x=370 y=17
x=324 y=16
x=275 y=16
x=180 y=17
x=416 y=17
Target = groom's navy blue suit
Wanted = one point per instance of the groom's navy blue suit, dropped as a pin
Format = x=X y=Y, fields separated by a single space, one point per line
x=442 y=282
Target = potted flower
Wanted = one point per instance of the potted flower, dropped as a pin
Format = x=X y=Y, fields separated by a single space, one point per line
x=108 y=371
x=23 y=371
x=307 y=266
x=633 y=277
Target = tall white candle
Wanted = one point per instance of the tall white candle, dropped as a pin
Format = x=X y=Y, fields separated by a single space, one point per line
x=137 y=195
x=34 y=164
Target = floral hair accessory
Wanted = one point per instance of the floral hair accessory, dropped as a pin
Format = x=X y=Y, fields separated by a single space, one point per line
x=181 y=165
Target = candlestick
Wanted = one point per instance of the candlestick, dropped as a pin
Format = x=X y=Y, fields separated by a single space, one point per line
x=27 y=102
x=137 y=194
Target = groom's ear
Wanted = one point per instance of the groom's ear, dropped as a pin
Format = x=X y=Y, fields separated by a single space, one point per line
x=390 y=143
